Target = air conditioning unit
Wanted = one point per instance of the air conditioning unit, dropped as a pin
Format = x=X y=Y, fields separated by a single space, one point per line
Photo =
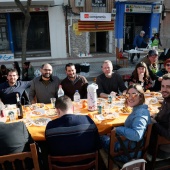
x=113 y=10
x=79 y=3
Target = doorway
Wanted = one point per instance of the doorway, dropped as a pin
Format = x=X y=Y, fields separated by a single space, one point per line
x=134 y=23
x=98 y=42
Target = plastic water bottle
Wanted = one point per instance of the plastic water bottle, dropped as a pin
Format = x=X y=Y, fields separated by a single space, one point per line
x=76 y=98
x=60 y=91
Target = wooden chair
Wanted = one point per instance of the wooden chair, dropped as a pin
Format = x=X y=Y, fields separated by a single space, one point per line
x=21 y=156
x=112 y=164
x=92 y=157
x=161 y=141
x=122 y=61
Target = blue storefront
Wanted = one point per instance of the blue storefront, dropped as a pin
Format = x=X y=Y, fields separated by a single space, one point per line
x=132 y=17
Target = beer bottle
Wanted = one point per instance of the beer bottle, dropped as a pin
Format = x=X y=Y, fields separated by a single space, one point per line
x=19 y=107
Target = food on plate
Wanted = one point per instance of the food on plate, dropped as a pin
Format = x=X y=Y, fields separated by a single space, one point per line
x=36 y=112
x=148 y=91
x=51 y=112
x=41 y=121
x=126 y=110
x=153 y=101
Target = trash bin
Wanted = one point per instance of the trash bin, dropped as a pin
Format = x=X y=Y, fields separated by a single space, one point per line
x=77 y=66
x=85 y=67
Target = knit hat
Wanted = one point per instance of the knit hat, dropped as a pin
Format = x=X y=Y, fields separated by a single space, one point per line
x=152 y=52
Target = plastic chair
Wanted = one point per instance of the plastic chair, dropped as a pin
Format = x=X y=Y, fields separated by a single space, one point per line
x=122 y=61
x=113 y=139
x=73 y=159
x=21 y=156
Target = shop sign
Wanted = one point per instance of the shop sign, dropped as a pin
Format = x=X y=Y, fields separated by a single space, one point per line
x=11 y=10
x=98 y=3
x=6 y=57
x=132 y=8
x=157 y=9
x=90 y=16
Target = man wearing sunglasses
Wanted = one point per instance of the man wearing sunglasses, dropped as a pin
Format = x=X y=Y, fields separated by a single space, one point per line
x=161 y=121
x=151 y=61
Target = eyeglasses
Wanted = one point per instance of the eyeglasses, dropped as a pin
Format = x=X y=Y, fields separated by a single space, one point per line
x=168 y=65
x=133 y=95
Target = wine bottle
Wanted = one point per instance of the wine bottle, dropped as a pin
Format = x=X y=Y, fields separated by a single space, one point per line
x=19 y=107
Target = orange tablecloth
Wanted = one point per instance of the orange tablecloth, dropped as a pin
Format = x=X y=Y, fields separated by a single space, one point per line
x=38 y=132
x=104 y=127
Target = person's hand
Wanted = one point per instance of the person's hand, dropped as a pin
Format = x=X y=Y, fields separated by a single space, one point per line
x=160 y=79
x=141 y=76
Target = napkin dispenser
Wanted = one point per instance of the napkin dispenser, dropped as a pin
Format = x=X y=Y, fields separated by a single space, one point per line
x=92 y=97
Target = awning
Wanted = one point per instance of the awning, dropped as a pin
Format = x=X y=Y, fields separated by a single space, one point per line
x=93 y=26
x=34 y=2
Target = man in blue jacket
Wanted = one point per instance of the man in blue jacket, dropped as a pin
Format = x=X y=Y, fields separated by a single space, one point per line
x=137 y=43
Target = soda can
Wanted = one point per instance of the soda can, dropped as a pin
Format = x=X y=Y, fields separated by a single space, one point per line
x=11 y=116
x=109 y=99
x=100 y=109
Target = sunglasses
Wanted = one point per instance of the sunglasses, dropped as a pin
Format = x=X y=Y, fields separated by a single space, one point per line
x=168 y=65
x=133 y=95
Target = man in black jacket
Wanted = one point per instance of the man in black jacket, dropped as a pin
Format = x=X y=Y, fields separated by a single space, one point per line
x=161 y=121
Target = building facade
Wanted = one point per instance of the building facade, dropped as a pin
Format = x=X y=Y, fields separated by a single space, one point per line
x=61 y=29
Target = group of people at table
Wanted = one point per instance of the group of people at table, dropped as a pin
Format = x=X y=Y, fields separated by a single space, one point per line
x=14 y=137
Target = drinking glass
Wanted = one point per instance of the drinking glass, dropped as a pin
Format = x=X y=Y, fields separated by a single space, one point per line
x=53 y=100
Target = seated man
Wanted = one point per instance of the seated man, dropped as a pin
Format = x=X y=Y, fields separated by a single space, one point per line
x=109 y=81
x=9 y=89
x=162 y=121
x=71 y=134
x=74 y=82
x=45 y=86
x=14 y=138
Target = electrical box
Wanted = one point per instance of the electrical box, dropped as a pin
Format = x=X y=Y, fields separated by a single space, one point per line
x=79 y=3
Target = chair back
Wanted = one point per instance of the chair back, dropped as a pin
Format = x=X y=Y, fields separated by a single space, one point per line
x=142 y=148
x=77 y=162
x=21 y=156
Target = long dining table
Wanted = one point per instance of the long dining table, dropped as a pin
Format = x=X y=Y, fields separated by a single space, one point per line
x=113 y=115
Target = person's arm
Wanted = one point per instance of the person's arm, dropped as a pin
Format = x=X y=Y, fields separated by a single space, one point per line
x=84 y=88
x=121 y=84
x=163 y=131
x=135 y=133
x=100 y=90
x=32 y=92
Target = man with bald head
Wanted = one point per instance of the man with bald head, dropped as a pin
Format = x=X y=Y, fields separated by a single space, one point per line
x=45 y=86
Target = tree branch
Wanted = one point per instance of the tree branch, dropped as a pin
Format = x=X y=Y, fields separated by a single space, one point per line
x=20 y=6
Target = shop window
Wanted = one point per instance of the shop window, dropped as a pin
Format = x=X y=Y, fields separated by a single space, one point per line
x=38 y=37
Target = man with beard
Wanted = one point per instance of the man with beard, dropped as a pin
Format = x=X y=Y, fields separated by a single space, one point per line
x=74 y=82
x=45 y=86
x=161 y=121
x=109 y=81
x=9 y=88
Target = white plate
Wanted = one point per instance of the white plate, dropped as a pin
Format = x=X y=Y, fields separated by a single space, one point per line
x=37 y=112
x=153 y=100
x=40 y=121
x=100 y=117
x=51 y=113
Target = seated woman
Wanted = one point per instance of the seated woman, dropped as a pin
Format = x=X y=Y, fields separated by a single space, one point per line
x=141 y=76
x=135 y=124
x=160 y=73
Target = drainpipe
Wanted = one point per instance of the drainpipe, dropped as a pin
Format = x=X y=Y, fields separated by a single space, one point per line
x=69 y=41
